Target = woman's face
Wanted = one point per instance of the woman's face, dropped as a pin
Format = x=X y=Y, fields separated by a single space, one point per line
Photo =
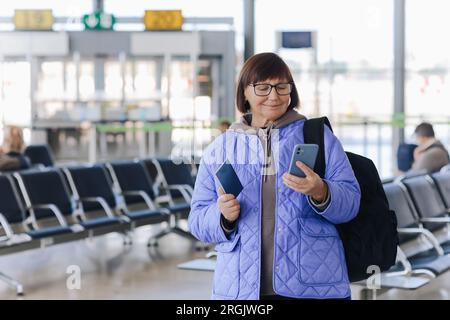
x=272 y=106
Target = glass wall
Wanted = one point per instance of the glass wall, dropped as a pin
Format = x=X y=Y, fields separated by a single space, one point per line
x=15 y=102
x=349 y=77
x=427 y=66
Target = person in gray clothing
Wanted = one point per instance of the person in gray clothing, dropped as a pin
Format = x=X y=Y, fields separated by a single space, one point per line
x=430 y=155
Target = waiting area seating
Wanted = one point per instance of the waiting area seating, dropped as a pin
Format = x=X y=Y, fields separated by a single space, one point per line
x=49 y=205
x=422 y=206
x=40 y=155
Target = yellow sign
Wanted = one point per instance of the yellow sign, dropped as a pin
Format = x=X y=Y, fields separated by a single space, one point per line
x=33 y=19
x=163 y=20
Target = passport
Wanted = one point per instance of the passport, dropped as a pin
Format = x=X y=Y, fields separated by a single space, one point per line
x=228 y=179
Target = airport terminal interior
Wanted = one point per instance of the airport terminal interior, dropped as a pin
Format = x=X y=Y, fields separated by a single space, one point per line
x=108 y=107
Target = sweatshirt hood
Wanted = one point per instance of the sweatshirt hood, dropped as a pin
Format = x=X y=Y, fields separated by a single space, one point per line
x=287 y=118
x=264 y=134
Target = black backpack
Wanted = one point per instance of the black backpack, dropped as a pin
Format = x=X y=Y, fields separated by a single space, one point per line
x=371 y=237
x=405 y=156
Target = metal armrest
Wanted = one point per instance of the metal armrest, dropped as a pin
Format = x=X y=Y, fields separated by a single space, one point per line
x=436 y=220
x=189 y=189
x=162 y=199
x=428 y=235
x=407 y=268
x=53 y=209
x=142 y=194
x=211 y=254
x=184 y=189
x=100 y=201
x=5 y=225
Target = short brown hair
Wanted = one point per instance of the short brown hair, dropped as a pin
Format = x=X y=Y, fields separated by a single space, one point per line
x=424 y=129
x=260 y=67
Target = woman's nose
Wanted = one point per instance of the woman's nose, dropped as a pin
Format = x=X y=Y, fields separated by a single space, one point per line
x=273 y=94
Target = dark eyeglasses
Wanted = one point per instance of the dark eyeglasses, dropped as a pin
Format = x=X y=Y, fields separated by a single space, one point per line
x=264 y=89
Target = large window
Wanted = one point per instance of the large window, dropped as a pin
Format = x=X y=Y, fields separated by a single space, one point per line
x=349 y=77
x=427 y=66
x=15 y=102
x=354 y=51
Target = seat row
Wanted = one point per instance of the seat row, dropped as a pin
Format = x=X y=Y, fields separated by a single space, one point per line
x=52 y=205
x=422 y=206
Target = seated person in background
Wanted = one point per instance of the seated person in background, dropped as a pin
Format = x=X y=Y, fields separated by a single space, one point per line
x=8 y=163
x=14 y=145
x=430 y=154
x=223 y=125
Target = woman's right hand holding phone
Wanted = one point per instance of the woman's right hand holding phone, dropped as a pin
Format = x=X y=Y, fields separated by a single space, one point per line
x=228 y=206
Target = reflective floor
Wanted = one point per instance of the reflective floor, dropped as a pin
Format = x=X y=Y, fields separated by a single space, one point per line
x=106 y=269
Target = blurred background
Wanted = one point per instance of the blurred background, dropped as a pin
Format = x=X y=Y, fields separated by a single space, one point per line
x=61 y=79
x=96 y=82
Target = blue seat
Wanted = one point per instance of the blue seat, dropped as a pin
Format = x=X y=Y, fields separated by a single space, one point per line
x=92 y=190
x=442 y=181
x=88 y=182
x=179 y=207
x=12 y=213
x=405 y=156
x=40 y=154
x=10 y=205
x=143 y=214
x=177 y=178
x=427 y=202
x=45 y=187
x=410 y=228
x=136 y=186
x=132 y=177
x=46 y=196
x=50 y=231
x=151 y=169
x=100 y=222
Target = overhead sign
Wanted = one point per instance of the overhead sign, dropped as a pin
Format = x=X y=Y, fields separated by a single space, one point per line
x=297 y=39
x=99 y=21
x=163 y=20
x=33 y=19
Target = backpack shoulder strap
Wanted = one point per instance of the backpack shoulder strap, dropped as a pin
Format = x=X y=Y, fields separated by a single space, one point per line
x=313 y=132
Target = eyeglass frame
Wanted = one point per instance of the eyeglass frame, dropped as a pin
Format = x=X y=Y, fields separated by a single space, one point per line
x=271 y=87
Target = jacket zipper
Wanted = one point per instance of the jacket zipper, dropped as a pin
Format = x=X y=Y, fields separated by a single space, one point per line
x=260 y=227
x=274 y=271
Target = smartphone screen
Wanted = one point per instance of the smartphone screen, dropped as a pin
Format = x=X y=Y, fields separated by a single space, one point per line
x=306 y=153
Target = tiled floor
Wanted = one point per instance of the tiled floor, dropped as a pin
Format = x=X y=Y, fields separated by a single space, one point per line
x=108 y=270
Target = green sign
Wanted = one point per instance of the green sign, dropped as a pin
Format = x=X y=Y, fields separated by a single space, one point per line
x=99 y=21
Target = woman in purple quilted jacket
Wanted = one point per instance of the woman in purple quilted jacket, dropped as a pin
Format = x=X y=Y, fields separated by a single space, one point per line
x=277 y=239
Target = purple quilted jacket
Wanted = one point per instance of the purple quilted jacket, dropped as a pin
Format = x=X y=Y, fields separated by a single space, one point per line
x=309 y=260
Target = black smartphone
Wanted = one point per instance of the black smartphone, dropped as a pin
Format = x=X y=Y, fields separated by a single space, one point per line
x=306 y=153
